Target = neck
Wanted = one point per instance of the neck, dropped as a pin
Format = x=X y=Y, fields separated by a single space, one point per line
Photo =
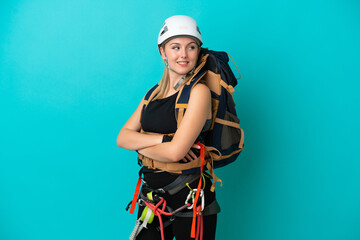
x=174 y=78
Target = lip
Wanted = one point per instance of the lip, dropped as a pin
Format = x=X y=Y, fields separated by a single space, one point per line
x=183 y=63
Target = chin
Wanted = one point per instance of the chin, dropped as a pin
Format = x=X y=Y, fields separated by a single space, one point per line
x=184 y=72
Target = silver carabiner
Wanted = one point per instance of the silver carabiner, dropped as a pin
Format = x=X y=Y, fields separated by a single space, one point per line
x=192 y=194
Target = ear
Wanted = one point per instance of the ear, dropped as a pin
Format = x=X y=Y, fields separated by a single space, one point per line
x=162 y=52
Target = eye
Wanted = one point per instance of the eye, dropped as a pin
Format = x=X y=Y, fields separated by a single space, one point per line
x=175 y=48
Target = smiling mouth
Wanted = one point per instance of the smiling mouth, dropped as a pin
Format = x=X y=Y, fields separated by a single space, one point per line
x=183 y=63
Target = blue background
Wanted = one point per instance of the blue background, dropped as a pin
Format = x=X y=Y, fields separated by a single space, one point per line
x=72 y=72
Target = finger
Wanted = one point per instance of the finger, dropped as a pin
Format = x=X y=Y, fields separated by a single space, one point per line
x=188 y=157
x=192 y=154
x=196 y=146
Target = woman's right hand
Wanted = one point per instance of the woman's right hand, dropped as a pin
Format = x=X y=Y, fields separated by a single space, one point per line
x=191 y=155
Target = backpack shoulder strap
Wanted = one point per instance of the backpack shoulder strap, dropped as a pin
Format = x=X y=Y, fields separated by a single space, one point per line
x=183 y=97
x=148 y=96
x=151 y=94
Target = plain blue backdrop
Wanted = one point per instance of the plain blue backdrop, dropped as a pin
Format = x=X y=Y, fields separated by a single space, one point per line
x=72 y=72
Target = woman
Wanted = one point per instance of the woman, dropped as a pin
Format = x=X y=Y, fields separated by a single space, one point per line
x=179 y=44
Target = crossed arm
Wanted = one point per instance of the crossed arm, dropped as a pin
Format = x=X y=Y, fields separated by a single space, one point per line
x=150 y=145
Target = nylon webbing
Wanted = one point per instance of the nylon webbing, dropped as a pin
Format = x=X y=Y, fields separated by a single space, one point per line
x=136 y=194
x=195 y=212
x=227 y=123
x=228 y=87
x=235 y=66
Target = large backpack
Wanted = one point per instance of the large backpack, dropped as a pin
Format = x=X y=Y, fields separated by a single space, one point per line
x=225 y=139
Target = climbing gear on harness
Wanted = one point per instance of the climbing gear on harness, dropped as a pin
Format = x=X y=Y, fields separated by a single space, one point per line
x=179 y=25
x=161 y=211
x=225 y=139
x=172 y=188
x=147 y=215
x=156 y=205
x=160 y=208
x=137 y=229
x=196 y=210
x=191 y=195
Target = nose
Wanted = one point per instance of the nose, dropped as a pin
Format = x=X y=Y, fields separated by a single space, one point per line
x=183 y=53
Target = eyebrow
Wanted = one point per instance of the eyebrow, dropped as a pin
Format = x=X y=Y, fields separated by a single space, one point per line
x=186 y=44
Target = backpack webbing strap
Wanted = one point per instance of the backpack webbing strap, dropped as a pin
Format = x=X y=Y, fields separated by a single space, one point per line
x=179 y=107
x=169 y=167
x=235 y=125
x=182 y=100
x=214 y=80
x=227 y=123
x=179 y=167
x=200 y=65
x=228 y=87
x=209 y=165
x=151 y=94
x=183 y=97
x=241 y=144
x=214 y=177
x=235 y=66
x=217 y=157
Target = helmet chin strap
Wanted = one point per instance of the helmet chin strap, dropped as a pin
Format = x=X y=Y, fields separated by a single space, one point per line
x=177 y=85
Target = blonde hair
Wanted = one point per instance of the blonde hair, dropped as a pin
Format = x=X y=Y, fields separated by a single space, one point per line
x=164 y=85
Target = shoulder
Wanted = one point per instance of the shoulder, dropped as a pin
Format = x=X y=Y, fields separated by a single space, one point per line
x=200 y=89
x=199 y=95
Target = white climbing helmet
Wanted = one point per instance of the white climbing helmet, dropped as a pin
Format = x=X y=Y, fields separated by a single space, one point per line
x=179 y=25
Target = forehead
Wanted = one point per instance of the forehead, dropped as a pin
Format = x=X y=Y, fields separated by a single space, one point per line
x=181 y=40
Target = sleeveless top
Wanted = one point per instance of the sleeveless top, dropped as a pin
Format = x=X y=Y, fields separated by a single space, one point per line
x=159 y=116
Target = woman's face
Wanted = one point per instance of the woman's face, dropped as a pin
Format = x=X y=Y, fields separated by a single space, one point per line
x=182 y=54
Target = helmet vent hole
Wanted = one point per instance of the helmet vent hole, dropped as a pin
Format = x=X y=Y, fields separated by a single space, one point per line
x=164 y=31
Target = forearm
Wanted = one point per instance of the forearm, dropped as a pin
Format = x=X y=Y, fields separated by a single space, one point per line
x=165 y=152
x=133 y=140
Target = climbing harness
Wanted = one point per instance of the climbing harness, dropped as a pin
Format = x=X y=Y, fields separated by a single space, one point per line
x=155 y=205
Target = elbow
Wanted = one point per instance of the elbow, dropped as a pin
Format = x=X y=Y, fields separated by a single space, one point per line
x=124 y=140
x=174 y=158
x=118 y=142
x=120 y=139
x=176 y=154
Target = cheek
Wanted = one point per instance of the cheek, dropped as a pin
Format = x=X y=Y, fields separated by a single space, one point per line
x=194 y=55
x=170 y=55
